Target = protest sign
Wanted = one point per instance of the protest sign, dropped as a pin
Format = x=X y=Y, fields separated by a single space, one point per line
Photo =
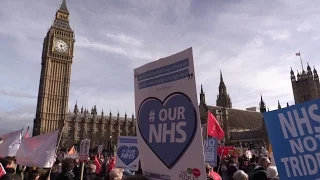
x=168 y=122
x=100 y=149
x=128 y=153
x=84 y=150
x=294 y=134
x=210 y=151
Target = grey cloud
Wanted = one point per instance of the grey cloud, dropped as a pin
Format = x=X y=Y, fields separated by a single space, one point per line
x=16 y=94
x=252 y=42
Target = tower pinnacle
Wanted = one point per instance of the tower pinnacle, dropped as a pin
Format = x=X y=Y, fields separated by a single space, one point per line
x=63 y=7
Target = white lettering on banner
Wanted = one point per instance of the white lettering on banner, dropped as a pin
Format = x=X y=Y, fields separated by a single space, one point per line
x=160 y=132
x=302 y=165
x=128 y=154
x=288 y=125
x=298 y=127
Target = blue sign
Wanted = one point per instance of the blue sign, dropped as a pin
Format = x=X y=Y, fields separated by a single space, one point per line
x=168 y=127
x=128 y=154
x=210 y=151
x=295 y=135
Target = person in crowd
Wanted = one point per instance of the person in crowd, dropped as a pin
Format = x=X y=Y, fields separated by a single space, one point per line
x=20 y=171
x=116 y=174
x=232 y=168
x=127 y=173
x=9 y=166
x=34 y=175
x=208 y=171
x=252 y=164
x=67 y=170
x=240 y=175
x=260 y=173
x=224 y=170
x=92 y=175
x=272 y=173
x=53 y=174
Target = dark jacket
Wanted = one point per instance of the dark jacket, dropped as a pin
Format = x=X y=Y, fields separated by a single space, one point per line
x=66 y=176
x=92 y=176
x=232 y=168
x=259 y=174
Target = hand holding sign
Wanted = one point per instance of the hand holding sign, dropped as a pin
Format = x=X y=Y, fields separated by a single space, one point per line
x=168 y=127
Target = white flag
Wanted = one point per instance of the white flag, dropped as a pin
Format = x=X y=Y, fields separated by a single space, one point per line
x=10 y=143
x=38 y=151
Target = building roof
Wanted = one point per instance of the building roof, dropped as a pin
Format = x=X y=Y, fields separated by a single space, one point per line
x=245 y=135
x=241 y=119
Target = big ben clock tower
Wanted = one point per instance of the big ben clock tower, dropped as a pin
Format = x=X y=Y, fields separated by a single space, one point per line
x=57 y=55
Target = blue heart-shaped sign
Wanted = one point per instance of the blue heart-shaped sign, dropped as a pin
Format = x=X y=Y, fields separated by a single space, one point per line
x=127 y=154
x=168 y=127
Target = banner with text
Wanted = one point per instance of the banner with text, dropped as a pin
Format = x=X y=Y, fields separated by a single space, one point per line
x=210 y=151
x=127 y=153
x=168 y=121
x=294 y=135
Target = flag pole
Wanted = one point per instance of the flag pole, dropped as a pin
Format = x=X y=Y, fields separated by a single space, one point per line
x=25 y=133
x=56 y=150
x=207 y=123
x=301 y=60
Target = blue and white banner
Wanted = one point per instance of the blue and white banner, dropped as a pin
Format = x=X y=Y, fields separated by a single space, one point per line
x=168 y=122
x=127 y=156
x=211 y=151
x=295 y=134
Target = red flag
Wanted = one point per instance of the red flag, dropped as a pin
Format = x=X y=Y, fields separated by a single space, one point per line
x=2 y=171
x=213 y=127
x=298 y=54
x=98 y=165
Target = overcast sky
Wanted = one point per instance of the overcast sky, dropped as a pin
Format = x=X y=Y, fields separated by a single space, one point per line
x=253 y=42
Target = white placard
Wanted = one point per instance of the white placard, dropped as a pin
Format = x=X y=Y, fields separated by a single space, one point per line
x=168 y=119
x=84 y=150
x=127 y=153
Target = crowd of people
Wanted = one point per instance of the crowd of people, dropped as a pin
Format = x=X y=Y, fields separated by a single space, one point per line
x=69 y=169
x=242 y=168
x=229 y=168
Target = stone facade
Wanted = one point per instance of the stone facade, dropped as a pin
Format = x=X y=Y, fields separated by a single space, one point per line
x=100 y=128
x=305 y=85
x=52 y=105
x=240 y=126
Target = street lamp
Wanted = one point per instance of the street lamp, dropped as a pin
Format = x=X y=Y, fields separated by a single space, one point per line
x=221 y=124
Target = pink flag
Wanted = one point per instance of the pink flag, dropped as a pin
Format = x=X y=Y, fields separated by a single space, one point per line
x=2 y=171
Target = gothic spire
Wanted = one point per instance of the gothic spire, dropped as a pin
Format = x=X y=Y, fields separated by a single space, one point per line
x=262 y=105
x=221 y=78
x=76 y=110
x=279 y=106
x=202 y=96
x=63 y=7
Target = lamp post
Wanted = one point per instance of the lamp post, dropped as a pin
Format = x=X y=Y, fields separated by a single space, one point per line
x=221 y=124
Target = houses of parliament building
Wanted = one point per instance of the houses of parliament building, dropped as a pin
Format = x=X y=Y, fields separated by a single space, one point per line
x=241 y=126
x=52 y=105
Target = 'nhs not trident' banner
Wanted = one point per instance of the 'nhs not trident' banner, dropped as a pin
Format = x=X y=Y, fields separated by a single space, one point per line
x=295 y=135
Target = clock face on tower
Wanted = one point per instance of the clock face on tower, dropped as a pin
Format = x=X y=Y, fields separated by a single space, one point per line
x=61 y=46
